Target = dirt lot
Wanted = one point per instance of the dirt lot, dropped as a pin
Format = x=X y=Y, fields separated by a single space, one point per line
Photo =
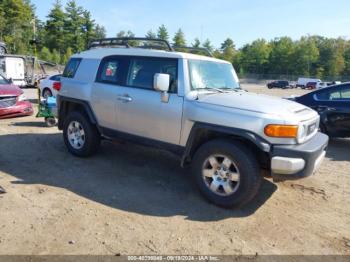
x=134 y=200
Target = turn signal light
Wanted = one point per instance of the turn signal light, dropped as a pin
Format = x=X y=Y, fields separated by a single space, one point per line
x=283 y=131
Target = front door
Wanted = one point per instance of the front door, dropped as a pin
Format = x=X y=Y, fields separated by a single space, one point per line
x=140 y=110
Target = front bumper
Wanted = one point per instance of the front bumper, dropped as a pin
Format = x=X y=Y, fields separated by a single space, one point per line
x=22 y=108
x=289 y=162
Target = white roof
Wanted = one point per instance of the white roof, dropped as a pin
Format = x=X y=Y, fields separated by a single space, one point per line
x=99 y=53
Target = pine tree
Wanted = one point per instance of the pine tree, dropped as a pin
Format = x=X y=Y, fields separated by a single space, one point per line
x=151 y=35
x=88 y=28
x=208 y=45
x=163 y=33
x=197 y=43
x=55 y=37
x=100 y=32
x=179 y=38
x=73 y=26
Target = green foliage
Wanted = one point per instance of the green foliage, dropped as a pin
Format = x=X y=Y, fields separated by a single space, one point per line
x=69 y=29
x=179 y=38
x=254 y=57
x=227 y=50
x=163 y=33
x=55 y=28
x=66 y=56
x=45 y=54
x=150 y=34
x=197 y=43
x=15 y=25
x=208 y=45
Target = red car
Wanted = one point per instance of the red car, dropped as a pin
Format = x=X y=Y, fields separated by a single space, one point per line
x=311 y=85
x=12 y=100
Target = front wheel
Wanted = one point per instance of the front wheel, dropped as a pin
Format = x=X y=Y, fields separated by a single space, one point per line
x=80 y=136
x=227 y=173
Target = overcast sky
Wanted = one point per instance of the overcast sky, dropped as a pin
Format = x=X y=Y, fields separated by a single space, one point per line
x=241 y=20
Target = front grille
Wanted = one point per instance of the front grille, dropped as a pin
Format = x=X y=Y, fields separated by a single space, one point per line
x=311 y=128
x=7 y=101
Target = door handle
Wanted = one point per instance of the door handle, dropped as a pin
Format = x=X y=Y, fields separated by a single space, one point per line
x=124 y=98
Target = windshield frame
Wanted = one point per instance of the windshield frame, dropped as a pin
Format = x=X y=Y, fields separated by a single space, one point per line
x=208 y=88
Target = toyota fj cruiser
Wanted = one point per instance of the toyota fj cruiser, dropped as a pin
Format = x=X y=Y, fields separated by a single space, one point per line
x=191 y=105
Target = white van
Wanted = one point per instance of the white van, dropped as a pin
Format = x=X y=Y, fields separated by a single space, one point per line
x=13 y=67
x=302 y=81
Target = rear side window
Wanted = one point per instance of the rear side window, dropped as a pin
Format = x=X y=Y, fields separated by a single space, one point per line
x=143 y=69
x=71 y=67
x=111 y=70
x=338 y=94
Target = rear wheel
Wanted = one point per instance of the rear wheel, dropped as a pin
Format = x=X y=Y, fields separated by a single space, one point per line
x=80 y=136
x=226 y=173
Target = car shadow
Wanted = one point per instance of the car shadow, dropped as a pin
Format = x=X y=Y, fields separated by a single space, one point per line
x=33 y=101
x=122 y=176
x=339 y=149
x=30 y=124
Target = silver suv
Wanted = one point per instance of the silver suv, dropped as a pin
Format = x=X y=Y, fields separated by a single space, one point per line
x=193 y=106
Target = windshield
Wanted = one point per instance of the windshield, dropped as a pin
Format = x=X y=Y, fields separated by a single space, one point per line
x=3 y=81
x=212 y=75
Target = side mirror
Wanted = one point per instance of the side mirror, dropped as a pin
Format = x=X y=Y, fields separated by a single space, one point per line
x=11 y=81
x=161 y=82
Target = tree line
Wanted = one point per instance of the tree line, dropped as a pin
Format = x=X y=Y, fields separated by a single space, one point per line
x=68 y=29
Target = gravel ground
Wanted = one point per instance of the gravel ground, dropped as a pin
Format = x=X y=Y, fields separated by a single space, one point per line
x=130 y=199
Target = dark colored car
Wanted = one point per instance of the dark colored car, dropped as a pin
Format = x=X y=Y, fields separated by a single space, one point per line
x=278 y=84
x=333 y=105
x=3 y=49
x=12 y=101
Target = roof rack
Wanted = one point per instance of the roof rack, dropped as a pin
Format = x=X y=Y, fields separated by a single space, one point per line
x=150 y=43
x=194 y=50
x=146 y=43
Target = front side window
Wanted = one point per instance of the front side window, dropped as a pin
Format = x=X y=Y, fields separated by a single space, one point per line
x=208 y=74
x=71 y=67
x=142 y=71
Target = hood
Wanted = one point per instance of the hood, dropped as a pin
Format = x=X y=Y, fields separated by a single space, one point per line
x=10 y=90
x=256 y=103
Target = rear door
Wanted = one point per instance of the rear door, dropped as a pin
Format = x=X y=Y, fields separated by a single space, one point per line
x=140 y=110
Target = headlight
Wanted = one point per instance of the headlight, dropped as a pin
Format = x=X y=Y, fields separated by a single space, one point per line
x=281 y=131
x=22 y=98
x=301 y=133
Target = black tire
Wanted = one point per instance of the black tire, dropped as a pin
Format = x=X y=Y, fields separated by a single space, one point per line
x=50 y=121
x=47 y=92
x=92 y=137
x=269 y=87
x=247 y=164
x=323 y=128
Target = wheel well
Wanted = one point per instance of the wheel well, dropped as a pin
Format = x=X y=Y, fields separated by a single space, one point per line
x=68 y=106
x=203 y=136
x=46 y=88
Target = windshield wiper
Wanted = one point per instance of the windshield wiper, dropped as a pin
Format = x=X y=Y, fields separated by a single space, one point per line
x=211 y=89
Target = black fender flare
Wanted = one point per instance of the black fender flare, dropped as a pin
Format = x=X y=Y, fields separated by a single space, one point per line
x=258 y=141
x=63 y=102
